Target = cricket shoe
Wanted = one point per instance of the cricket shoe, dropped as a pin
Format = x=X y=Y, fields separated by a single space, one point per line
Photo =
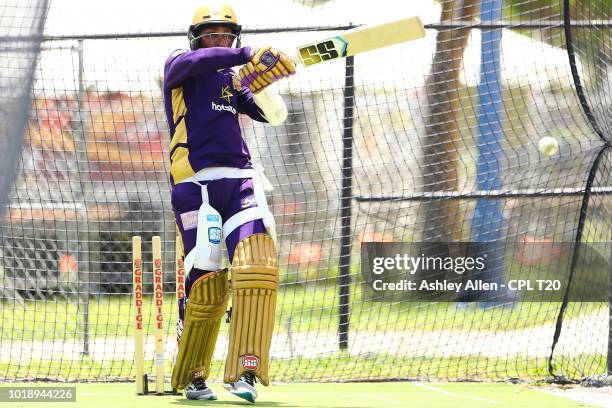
x=244 y=387
x=198 y=390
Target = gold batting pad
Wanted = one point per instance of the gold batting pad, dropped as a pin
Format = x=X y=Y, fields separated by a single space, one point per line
x=254 y=287
x=206 y=305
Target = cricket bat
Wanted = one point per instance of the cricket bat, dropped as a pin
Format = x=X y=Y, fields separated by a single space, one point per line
x=361 y=39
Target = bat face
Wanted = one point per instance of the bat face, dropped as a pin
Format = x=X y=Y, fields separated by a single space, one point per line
x=360 y=40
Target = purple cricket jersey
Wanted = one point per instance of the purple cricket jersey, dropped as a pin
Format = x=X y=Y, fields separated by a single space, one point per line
x=203 y=97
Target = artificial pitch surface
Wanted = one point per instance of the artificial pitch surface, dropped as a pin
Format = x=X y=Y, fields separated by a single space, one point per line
x=332 y=395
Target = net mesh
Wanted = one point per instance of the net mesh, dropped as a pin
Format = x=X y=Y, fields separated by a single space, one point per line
x=430 y=141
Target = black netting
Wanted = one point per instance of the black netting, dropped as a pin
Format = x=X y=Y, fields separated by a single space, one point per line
x=430 y=141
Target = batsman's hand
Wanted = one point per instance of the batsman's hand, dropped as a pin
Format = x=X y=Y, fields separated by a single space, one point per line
x=267 y=65
x=268 y=59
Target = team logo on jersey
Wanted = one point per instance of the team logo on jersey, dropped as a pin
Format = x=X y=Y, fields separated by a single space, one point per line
x=221 y=107
x=250 y=362
x=226 y=94
x=189 y=220
x=248 y=202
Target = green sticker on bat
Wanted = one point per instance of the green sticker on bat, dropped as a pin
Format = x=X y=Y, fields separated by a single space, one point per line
x=323 y=51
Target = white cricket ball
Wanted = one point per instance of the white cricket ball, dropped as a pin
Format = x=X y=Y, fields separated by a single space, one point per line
x=548 y=146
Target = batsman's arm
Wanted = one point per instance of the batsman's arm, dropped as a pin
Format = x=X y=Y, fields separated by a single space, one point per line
x=265 y=106
x=183 y=64
x=272 y=105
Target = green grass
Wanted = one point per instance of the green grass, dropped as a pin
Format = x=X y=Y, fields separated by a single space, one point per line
x=300 y=308
x=344 y=395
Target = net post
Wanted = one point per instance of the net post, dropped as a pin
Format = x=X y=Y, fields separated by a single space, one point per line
x=344 y=278
x=609 y=356
x=488 y=221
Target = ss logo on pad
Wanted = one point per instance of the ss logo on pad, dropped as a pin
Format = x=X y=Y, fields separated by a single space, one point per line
x=250 y=362
x=214 y=235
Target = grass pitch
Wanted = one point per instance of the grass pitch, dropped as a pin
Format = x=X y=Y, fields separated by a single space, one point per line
x=320 y=395
x=302 y=307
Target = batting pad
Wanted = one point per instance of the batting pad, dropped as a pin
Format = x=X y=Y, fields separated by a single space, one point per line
x=206 y=305
x=254 y=287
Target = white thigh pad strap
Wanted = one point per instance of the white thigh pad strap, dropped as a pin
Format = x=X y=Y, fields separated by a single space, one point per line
x=261 y=212
x=206 y=255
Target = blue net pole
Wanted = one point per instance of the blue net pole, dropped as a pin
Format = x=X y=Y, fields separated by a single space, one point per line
x=487 y=223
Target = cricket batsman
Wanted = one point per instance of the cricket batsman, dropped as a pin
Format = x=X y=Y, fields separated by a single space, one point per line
x=217 y=193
